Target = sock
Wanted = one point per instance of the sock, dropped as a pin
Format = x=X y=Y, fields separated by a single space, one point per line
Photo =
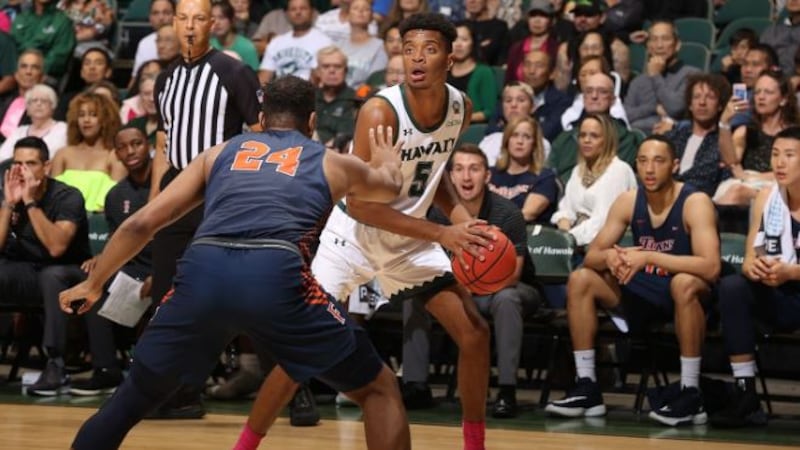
x=248 y=439
x=745 y=369
x=690 y=372
x=584 y=364
x=474 y=434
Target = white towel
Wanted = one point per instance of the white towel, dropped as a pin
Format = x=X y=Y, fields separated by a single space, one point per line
x=776 y=220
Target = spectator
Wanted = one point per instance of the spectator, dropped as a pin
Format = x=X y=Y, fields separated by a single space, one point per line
x=469 y=173
x=401 y=9
x=784 y=37
x=294 y=52
x=584 y=46
x=590 y=66
x=168 y=48
x=517 y=101
x=8 y=61
x=665 y=276
x=95 y=66
x=243 y=23
x=133 y=106
x=336 y=107
x=392 y=41
x=107 y=90
x=548 y=102
x=540 y=37
x=40 y=101
x=225 y=37
x=519 y=174
x=44 y=236
x=758 y=59
x=30 y=72
x=747 y=150
x=161 y=14
x=56 y=45
x=598 y=94
x=623 y=17
x=490 y=33
x=651 y=95
x=697 y=142
x=124 y=199
x=767 y=289
x=92 y=20
x=148 y=122
x=365 y=53
x=740 y=42
x=88 y=162
x=335 y=23
x=472 y=77
x=596 y=181
x=275 y=23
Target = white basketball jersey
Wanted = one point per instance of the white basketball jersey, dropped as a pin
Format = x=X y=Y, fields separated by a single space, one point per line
x=425 y=151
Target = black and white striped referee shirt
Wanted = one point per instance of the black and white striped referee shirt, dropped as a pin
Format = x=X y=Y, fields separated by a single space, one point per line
x=203 y=104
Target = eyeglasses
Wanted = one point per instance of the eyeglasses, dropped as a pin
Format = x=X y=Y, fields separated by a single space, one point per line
x=35 y=100
x=598 y=91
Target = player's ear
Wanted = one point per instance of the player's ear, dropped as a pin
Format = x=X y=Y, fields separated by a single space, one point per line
x=676 y=166
x=262 y=119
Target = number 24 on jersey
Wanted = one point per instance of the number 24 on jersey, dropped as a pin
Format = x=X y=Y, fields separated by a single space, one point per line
x=253 y=154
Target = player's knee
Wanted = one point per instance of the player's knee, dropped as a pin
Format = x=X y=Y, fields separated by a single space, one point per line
x=580 y=283
x=685 y=288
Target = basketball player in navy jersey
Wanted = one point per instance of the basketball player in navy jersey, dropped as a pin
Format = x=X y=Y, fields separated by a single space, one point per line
x=666 y=275
x=394 y=243
x=248 y=270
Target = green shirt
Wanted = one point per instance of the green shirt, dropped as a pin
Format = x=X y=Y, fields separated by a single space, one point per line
x=242 y=47
x=8 y=55
x=51 y=33
x=337 y=116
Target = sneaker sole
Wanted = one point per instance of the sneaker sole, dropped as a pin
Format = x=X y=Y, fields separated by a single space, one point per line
x=564 y=411
x=49 y=392
x=695 y=419
x=92 y=392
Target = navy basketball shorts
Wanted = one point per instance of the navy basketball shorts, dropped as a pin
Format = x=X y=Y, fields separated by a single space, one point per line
x=646 y=298
x=267 y=293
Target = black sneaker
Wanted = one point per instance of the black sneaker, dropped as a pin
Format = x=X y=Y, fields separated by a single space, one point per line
x=744 y=409
x=505 y=405
x=417 y=395
x=303 y=408
x=53 y=381
x=186 y=403
x=583 y=400
x=686 y=408
x=103 y=382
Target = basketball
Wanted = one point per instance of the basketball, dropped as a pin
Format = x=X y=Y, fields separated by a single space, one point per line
x=493 y=273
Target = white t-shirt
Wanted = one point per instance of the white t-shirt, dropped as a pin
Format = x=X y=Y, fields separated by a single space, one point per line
x=55 y=138
x=363 y=60
x=145 y=51
x=339 y=32
x=690 y=152
x=290 y=55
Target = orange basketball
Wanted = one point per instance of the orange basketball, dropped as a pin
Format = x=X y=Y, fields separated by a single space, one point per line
x=494 y=272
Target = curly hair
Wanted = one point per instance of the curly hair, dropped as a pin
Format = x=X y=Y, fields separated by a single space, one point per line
x=431 y=22
x=106 y=111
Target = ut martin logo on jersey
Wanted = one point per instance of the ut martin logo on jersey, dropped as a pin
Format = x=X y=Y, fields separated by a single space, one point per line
x=432 y=148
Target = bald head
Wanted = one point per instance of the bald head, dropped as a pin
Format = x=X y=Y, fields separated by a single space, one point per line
x=193 y=23
x=598 y=93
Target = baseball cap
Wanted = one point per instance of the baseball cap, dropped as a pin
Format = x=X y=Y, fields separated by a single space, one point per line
x=541 y=6
x=589 y=7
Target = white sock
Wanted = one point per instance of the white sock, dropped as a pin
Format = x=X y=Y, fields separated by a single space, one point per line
x=584 y=364
x=745 y=369
x=690 y=372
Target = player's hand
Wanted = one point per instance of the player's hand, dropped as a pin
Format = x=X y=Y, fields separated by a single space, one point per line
x=12 y=185
x=89 y=265
x=614 y=262
x=467 y=236
x=758 y=270
x=778 y=272
x=29 y=184
x=83 y=291
x=634 y=260
x=382 y=151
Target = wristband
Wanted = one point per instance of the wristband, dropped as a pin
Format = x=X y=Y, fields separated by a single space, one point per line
x=723 y=126
x=32 y=204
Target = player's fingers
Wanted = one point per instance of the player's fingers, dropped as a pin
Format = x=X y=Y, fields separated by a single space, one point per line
x=389 y=135
x=475 y=251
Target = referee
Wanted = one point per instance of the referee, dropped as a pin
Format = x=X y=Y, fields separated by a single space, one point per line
x=204 y=98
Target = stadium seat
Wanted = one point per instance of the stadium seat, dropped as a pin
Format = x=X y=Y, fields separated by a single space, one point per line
x=551 y=251
x=638 y=57
x=474 y=134
x=695 y=55
x=499 y=78
x=98 y=232
x=137 y=11
x=722 y=46
x=732 y=249
x=738 y=9
x=696 y=30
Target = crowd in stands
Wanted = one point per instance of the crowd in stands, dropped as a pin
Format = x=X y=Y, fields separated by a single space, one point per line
x=559 y=100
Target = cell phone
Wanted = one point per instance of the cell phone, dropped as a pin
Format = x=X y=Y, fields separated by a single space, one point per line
x=740 y=91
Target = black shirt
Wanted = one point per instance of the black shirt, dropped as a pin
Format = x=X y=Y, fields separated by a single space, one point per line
x=60 y=202
x=204 y=103
x=122 y=201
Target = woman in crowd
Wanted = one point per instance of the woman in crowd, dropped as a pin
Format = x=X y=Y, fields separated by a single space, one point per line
x=88 y=162
x=133 y=107
x=517 y=101
x=540 y=37
x=595 y=182
x=148 y=122
x=519 y=174
x=472 y=77
x=365 y=53
x=40 y=103
x=747 y=150
x=401 y=9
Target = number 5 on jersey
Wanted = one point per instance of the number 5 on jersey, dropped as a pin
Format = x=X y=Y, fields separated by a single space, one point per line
x=253 y=154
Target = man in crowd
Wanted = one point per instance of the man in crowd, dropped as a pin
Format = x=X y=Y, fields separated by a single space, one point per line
x=46 y=28
x=549 y=103
x=30 y=72
x=336 y=103
x=161 y=14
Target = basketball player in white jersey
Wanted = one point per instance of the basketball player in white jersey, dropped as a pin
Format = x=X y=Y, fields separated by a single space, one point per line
x=394 y=243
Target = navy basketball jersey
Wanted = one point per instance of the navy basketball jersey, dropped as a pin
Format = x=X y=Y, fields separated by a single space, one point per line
x=671 y=237
x=267 y=185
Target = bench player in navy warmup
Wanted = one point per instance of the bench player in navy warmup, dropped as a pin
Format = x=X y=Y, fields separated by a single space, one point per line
x=267 y=196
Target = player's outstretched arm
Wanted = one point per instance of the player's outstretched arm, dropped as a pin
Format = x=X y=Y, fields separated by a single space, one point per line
x=380 y=180
x=180 y=197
